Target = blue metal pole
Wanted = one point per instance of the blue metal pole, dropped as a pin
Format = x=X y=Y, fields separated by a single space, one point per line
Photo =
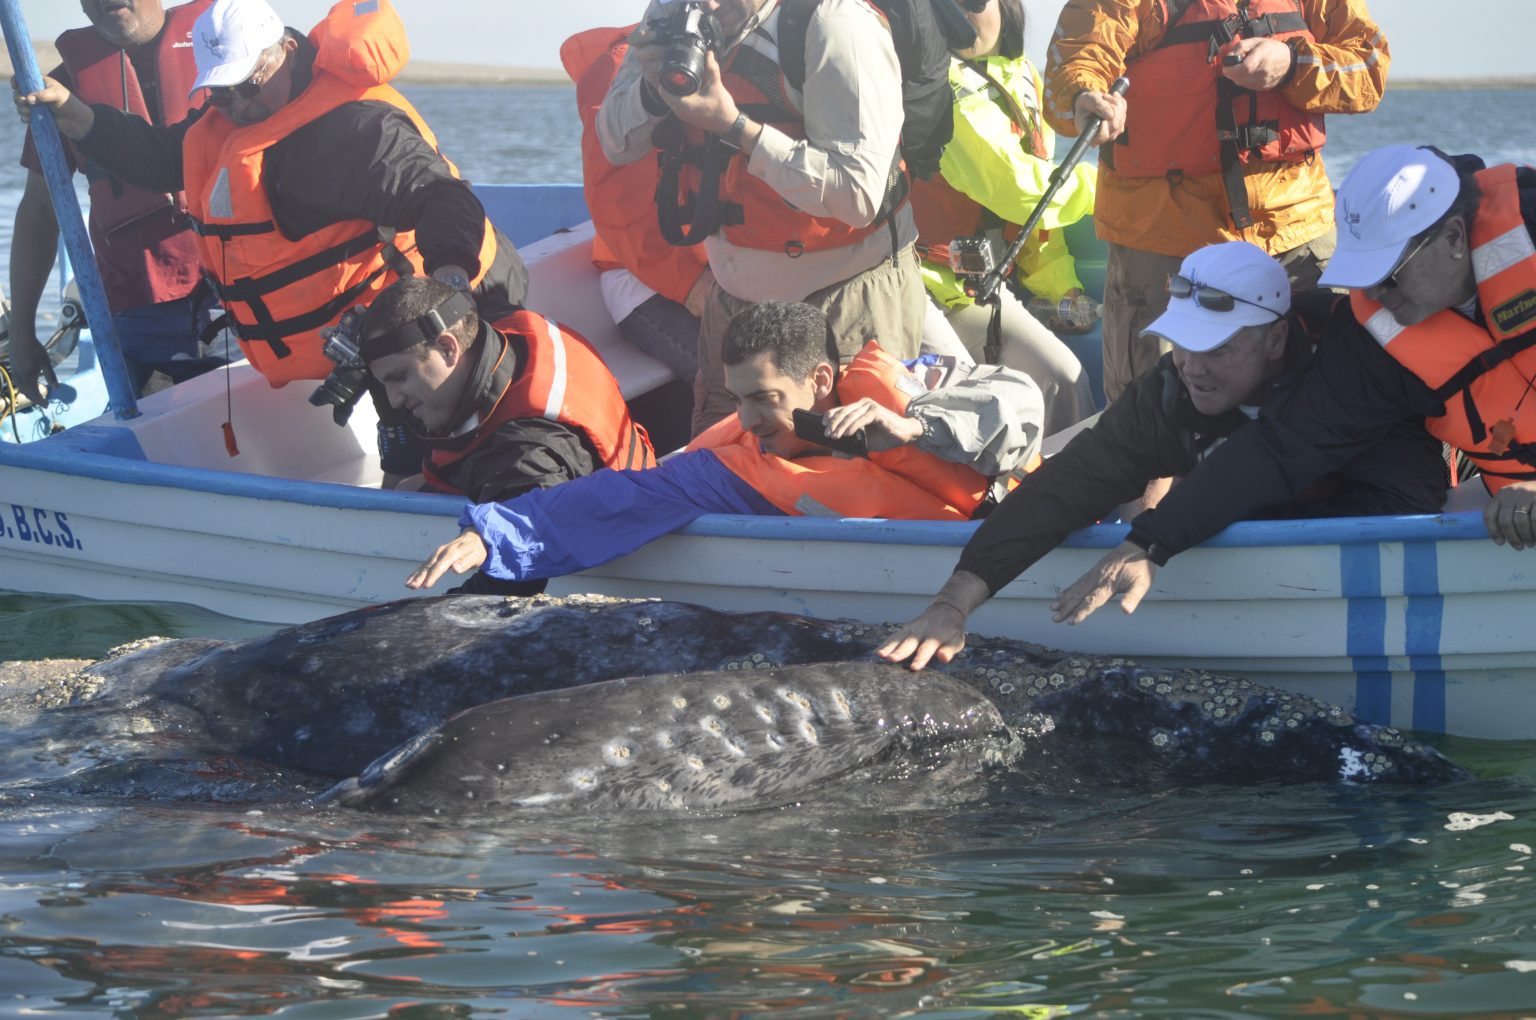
x=66 y=209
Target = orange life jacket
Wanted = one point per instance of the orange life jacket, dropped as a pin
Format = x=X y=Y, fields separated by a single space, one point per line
x=752 y=214
x=625 y=224
x=905 y=483
x=1492 y=368
x=281 y=293
x=943 y=213
x=560 y=379
x=1188 y=120
x=103 y=73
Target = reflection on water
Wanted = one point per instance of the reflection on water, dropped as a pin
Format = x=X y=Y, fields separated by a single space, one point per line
x=1271 y=902
x=1260 y=902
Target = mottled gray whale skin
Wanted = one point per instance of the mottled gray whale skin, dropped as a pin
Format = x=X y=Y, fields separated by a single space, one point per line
x=289 y=714
x=755 y=738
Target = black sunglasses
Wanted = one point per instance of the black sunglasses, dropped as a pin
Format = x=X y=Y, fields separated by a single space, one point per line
x=1208 y=298
x=974 y=6
x=224 y=95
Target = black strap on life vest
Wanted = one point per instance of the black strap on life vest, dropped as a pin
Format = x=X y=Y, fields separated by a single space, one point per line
x=225 y=231
x=1482 y=364
x=251 y=290
x=686 y=220
x=1233 y=139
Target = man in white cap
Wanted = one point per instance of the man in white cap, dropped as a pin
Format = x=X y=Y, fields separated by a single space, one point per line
x=1239 y=349
x=1439 y=256
x=136 y=56
x=304 y=215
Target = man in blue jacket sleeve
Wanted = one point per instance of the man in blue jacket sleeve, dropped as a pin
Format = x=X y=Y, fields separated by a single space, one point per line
x=938 y=446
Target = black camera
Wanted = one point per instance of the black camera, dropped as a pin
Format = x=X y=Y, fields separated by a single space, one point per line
x=810 y=427
x=973 y=257
x=688 y=33
x=345 y=385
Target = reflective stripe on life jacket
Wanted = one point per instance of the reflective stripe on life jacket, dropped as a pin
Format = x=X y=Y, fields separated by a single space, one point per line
x=561 y=378
x=751 y=214
x=281 y=293
x=1188 y=120
x=1483 y=374
x=905 y=483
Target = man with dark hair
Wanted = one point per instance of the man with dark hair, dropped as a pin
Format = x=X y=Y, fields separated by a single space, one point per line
x=935 y=447
x=137 y=58
x=502 y=407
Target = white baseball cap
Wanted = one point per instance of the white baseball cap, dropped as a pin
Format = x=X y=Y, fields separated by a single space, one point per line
x=1256 y=283
x=228 y=39
x=1392 y=195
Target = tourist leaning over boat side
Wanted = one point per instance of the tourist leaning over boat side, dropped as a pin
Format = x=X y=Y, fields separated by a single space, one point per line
x=1441 y=260
x=503 y=408
x=1219 y=138
x=804 y=199
x=1241 y=349
x=136 y=56
x=654 y=291
x=311 y=183
x=941 y=444
x=991 y=176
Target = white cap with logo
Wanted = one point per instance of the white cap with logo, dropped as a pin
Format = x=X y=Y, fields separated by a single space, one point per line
x=1391 y=196
x=229 y=38
x=1200 y=321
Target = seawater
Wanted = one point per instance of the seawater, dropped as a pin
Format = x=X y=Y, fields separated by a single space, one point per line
x=1259 y=902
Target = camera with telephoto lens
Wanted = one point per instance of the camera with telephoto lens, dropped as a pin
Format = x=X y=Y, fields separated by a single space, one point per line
x=688 y=33
x=345 y=385
x=973 y=257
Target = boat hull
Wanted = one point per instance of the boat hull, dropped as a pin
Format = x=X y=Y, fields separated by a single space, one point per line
x=1416 y=622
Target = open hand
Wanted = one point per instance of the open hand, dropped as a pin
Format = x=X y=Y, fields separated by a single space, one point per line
x=938 y=631
x=1124 y=570
x=1508 y=515
x=462 y=555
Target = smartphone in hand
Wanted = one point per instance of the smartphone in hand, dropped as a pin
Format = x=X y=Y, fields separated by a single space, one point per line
x=808 y=426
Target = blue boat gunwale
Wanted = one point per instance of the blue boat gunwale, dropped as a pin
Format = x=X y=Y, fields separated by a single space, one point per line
x=59 y=457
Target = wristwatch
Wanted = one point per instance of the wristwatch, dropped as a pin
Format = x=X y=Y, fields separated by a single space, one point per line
x=454 y=279
x=732 y=136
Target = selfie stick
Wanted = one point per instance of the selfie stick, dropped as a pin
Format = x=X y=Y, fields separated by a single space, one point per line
x=66 y=209
x=985 y=289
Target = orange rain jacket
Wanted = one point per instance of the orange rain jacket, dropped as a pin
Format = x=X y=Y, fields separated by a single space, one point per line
x=1344 y=71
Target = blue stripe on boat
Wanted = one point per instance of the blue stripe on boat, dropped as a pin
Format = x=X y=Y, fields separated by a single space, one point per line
x=1366 y=634
x=1425 y=618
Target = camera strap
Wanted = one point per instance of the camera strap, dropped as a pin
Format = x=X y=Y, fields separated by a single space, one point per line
x=687 y=221
x=425 y=328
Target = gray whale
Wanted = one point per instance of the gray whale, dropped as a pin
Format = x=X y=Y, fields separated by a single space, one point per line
x=452 y=704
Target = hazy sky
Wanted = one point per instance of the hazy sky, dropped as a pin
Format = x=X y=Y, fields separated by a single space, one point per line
x=1493 y=38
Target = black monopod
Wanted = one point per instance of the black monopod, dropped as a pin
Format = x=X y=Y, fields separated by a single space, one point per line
x=984 y=290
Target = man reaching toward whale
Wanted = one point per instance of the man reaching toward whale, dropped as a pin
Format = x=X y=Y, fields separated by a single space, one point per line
x=936 y=445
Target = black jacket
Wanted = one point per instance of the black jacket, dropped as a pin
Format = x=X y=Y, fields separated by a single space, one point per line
x=1354 y=394
x=362 y=161
x=1153 y=431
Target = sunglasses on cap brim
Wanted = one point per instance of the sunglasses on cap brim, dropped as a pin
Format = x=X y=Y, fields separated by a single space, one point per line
x=974 y=6
x=1209 y=298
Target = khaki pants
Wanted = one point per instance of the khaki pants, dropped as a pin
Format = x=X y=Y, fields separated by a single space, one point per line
x=882 y=303
x=1136 y=292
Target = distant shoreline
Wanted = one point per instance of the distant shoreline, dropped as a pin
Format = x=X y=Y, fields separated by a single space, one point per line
x=428 y=72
